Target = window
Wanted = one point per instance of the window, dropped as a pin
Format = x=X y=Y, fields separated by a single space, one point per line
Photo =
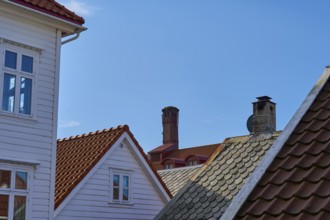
x=14 y=194
x=120 y=182
x=18 y=73
x=168 y=166
x=192 y=162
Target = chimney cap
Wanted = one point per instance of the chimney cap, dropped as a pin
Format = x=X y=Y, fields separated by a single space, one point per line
x=170 y=108
x=264 y=98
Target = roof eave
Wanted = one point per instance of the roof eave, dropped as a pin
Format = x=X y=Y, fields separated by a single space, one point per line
x=67 y=27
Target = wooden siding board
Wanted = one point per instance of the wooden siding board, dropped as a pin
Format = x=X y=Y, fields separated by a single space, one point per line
x=32 y=139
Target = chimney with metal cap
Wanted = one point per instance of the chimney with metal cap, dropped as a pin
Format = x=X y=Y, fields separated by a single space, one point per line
x=264 y=115
x=170 y=119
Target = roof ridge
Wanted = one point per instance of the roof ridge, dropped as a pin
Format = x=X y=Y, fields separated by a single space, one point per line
x=119 y=127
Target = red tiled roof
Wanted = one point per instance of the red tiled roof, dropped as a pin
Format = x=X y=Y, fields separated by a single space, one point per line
x=174 y=160
x=76 y=156
x=162 y=148
x=197 y=156
x=206 y=150
x=51 y=7
x=296 y=185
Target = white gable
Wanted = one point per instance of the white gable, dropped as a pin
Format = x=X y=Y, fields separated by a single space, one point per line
x=92 y=199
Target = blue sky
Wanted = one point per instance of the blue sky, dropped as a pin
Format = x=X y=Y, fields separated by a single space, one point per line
x=211 y=59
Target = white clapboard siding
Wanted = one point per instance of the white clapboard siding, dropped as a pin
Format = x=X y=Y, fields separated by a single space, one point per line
x=32 y=139
x=92 y=199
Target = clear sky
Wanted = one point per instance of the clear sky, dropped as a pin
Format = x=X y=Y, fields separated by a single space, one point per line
x=209 y=58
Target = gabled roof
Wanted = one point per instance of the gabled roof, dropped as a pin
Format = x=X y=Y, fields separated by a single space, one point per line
x=296 y=184
x=77 y=155
x=51 y=7
x=210 y=191
x=176 y=178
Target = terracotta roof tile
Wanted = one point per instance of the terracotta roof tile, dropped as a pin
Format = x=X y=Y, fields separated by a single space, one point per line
x=77 y=155
x=51 y=7
x=211 y=190
x=297 y=183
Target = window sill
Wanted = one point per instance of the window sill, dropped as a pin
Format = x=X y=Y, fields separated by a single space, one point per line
x=120 y=204
x=18 y=116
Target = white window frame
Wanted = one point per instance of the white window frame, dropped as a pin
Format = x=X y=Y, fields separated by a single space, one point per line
x=121 y=173
x=12 y=192
x=18 y=73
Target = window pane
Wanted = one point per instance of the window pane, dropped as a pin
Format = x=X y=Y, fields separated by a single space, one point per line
x=27 y=64
x=125 y=194
x=8 y=98
x=4 y=200
x=115 y=193
x=115 y=180
x=5 y=178
x=21 y=180
x=125 y=181
x=10 y=59
x=19 y=207
x=25 y=96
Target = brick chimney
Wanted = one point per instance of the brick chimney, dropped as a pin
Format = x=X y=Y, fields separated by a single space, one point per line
x=264 y=115
x=170 y=119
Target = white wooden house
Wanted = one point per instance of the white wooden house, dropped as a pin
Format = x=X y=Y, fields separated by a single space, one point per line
x=31 y=35
x=106 y=175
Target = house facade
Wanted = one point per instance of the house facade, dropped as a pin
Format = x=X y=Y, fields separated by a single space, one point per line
x=31 y=34
x=106 y=175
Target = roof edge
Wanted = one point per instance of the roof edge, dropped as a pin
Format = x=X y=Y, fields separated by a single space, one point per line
x=123 y=128
x=189 y=182
x=77 y=27
x=259 y=171
x=77 y=20
x=148 y=162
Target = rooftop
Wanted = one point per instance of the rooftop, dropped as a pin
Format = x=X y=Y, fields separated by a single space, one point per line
x=77 y=155
x=213 y=187
x=51 y=7
x=296 y=185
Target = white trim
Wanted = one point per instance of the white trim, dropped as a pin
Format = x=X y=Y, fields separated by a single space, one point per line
x=19 y=161
x=55 y=121
x=19 y=74
x=12 y=191
x=121 y=172
x=254 y=178
x=21 y=45
x=166 y=198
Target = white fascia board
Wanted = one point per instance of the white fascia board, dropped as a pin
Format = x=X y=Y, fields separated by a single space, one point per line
x=257 y=174
x=39 y=17
x=147 y=168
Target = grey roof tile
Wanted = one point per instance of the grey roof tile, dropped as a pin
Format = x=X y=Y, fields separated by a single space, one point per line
x=210 y=192
x=176 y=178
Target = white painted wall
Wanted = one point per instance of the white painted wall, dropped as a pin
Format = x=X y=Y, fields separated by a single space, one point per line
x=92 y=199
x=26 y=138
